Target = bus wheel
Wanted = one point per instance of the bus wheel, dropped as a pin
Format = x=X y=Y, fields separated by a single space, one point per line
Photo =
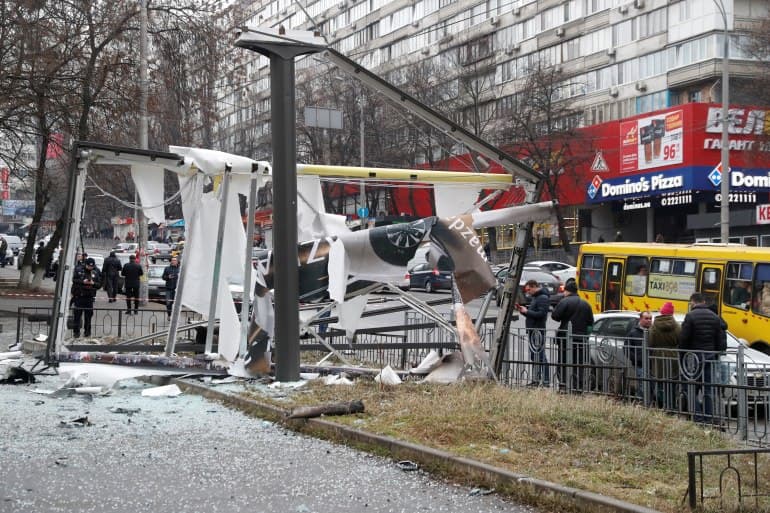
x=762 y=346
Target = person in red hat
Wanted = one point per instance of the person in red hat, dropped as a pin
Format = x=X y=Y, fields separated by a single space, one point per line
x=663 y=341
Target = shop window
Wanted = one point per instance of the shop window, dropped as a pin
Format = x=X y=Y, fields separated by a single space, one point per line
x=738 y=285
x=761 y=302
x=765 y=241
x=591 y=270
x=636 y=280
x=750 y=240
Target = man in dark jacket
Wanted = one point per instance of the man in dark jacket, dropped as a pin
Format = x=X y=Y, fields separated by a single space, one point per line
x=3 y=250
x=86 y=280
x=171 y=275
x=110 y=272
x=705 y=334
x=132 y=272
x=575 y=312
x=536 y=316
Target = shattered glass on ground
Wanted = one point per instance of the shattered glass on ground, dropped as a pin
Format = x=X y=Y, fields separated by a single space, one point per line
x=123 y=452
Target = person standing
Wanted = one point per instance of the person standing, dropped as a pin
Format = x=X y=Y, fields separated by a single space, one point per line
x=171 y=276
x=536 y=316
x=110 y=272
x=3 y=250
x=663 y=341
x=39 y=252
x=634 y=346
x=577 y=312
x=132 y=272
x=86 y=280
x=705 y=334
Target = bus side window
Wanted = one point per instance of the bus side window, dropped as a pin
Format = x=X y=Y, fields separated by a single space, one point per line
x=591 y=271
x=761 y=303
x=738 y=285
x=638 y=268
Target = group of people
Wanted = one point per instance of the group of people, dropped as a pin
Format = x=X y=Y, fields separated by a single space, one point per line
x=702 y=332
x=87 y=280
x=576 y=319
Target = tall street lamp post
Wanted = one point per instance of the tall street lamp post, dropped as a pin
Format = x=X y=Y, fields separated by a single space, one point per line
x=281 y=47
x=724 y=218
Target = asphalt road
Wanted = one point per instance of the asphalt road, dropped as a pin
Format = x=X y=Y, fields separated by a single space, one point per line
x=130 y=453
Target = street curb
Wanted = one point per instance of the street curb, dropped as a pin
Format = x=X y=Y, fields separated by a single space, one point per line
x=525 y=488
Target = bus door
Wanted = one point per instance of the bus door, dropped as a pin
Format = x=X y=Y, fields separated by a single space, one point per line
x=613 y=285
x=710 y=282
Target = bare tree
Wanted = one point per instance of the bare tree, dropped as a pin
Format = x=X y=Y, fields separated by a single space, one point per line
x=75 y=65
x=542 y=129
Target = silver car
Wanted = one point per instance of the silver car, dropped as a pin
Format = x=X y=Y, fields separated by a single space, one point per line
x=607 y=342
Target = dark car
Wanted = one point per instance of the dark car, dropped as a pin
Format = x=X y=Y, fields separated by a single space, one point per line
x=547 y=281
x=429 y=278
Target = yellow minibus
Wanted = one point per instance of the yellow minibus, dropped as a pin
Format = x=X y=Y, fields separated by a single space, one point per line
x=734 y=278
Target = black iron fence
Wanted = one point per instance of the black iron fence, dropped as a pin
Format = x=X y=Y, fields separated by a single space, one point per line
x=730 y=480
x=111 y=326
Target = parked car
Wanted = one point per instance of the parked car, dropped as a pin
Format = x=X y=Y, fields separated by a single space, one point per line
x=425 y=276
x=14 y=243
x=125 y=247
x=547 y=281
x=607 y=342
x=159 y=251
x=559 y=269
x=156 y=285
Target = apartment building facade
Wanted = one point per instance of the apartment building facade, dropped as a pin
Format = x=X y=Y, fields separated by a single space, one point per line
x=622 y=59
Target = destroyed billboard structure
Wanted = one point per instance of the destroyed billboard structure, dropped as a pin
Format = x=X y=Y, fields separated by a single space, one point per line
x=334 y=261
x=350 y=258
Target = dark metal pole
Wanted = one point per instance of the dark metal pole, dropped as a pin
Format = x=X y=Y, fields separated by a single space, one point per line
x=286 y=280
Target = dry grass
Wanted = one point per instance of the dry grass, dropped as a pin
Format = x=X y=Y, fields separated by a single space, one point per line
x=587 y=442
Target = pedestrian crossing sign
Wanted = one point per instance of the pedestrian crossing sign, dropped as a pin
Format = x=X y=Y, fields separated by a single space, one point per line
x=599 y=164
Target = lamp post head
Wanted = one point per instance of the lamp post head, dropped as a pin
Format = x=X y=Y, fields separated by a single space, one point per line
x=278 y=41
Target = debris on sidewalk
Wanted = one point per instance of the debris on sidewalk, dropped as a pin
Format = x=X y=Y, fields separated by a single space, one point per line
x=481 y=491
x=164 y=391
x=124 y=411
x=15 y=375
x=407 y=466
x=78 y=422
x=307 y=412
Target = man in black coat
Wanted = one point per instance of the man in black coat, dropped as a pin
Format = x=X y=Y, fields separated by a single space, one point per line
x=110 y=272
x=705 y=334
x=132 y=272
x=86 y=280
x=577 y=312
x=171 y=275
x=536 y=316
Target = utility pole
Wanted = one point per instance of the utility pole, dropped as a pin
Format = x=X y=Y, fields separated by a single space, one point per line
x=362 y=135
x=140 y=220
